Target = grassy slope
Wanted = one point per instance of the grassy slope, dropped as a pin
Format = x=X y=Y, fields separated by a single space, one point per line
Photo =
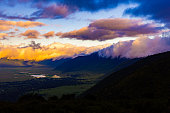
x=64 y=90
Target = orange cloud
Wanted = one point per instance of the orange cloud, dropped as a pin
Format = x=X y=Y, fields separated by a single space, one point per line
x=49 y=34
x=3 y=35
x=52 y=51
x=7 y=25
x=10 y=23
x=5 y=28
x=29 y=24
x=31 y=34
x=105 y=29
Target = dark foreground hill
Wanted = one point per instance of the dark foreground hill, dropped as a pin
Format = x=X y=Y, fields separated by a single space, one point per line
x=147 y=78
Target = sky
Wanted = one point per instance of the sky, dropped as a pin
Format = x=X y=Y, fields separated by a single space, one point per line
x=53 y=28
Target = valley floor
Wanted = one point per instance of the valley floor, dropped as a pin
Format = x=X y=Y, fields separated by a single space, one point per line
x=17 y=81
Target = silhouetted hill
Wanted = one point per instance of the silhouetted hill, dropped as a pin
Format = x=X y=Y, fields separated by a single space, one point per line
x=53 y=63
x=94 y=63
x=147 y=78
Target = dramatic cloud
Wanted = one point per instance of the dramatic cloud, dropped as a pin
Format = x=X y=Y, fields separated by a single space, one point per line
x=31 y=34
x=105 y=29
x=49 y=34
x=59 y=8
x=63 y=8
x=140 y=47
x=53 y=51
x=158 y=10
x=88 y=5
x=7 y=25
x=154 y=9
x=53 y=11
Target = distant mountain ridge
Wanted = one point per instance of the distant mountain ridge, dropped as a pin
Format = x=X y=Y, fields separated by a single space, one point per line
x=53 y=63
x=94 y=63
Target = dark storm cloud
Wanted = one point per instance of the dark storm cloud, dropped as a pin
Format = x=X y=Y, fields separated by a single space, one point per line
x=93 y=5
x=154 y=9
x=88 y=5
x=54 y=9
x=34 y=45
x=63 y=8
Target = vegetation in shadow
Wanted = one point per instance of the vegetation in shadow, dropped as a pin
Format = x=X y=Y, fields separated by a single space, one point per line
x=143 y=87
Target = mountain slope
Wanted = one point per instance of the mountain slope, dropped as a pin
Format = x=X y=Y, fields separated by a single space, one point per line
x=53 y=63
x=94 y=63
x=147 y=78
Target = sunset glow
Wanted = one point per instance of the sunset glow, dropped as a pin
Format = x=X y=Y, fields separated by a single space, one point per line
x=74 y=27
